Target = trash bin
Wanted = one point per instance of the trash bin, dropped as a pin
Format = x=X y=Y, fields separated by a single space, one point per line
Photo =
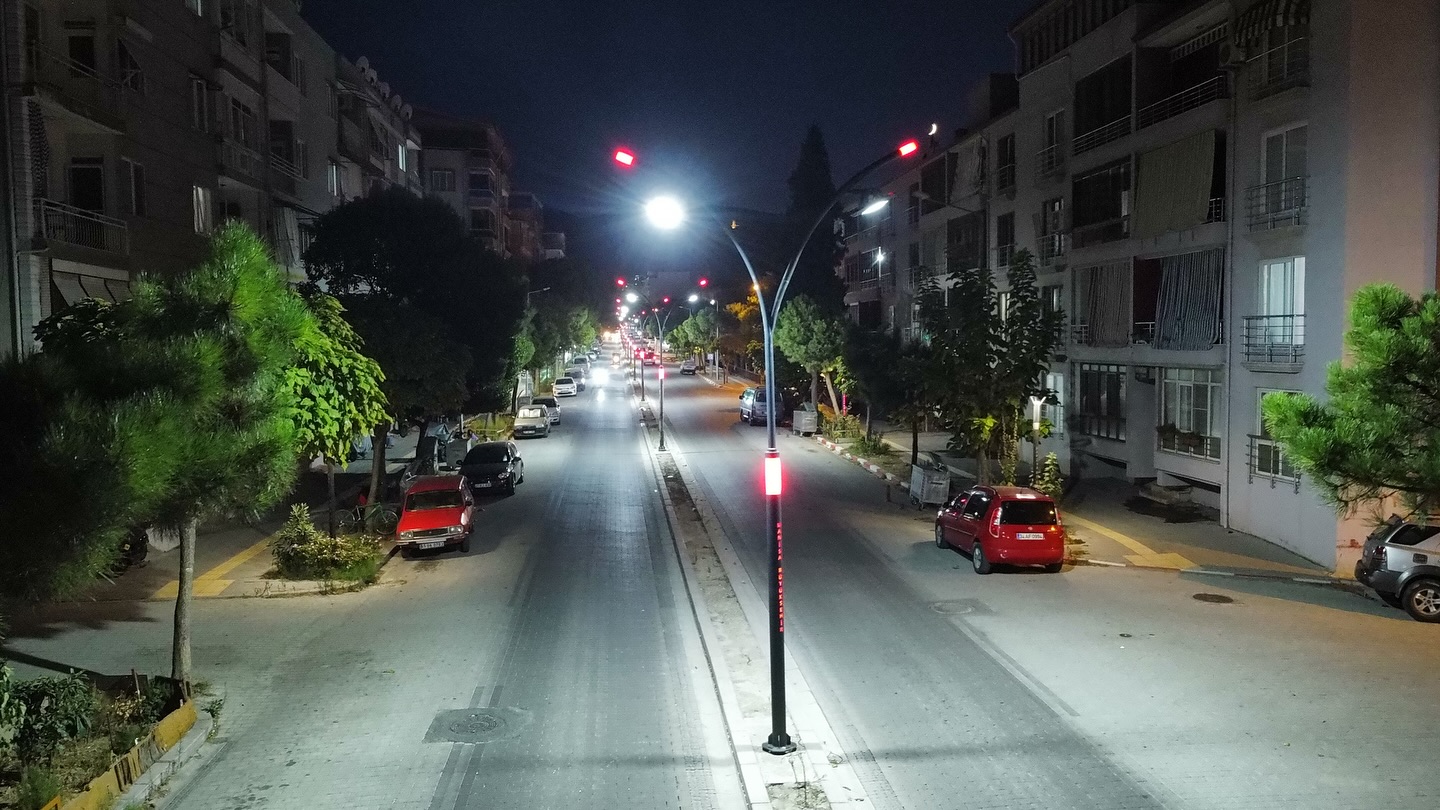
x=805 y=421
x=929 y=485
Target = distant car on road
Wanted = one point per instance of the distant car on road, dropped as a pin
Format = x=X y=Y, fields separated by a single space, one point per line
x=552 y=405
x=494 y=465
x=1401 y=563
x=579 y=375
x=649 y=358
x=532 y=420
x=1010 y=525
x=689 y=366
x=564 y=387
x=438 y=512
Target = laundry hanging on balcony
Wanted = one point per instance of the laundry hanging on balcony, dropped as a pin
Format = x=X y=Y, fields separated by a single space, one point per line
x=1173 y=184
x=1105 y=303
x=1267 y=15
x=1190 y=300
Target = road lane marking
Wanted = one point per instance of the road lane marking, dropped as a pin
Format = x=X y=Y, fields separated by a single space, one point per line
x=1143 y=555
x=210 y=582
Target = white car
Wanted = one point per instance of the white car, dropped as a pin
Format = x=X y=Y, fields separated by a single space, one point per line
x=564 y=387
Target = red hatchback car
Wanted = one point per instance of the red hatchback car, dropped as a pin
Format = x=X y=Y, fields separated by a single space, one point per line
x=439 y=512
x=1009 y=525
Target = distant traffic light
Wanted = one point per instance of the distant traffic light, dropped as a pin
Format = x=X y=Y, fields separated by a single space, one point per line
x=909 y=148
x=619 y=282
x=665 y=300
x=625 y=157
x=704 y=282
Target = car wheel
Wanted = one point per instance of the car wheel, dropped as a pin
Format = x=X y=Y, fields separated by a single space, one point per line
x=510 y=490
x=1422 y=600
x=978 y=560
x=1390 y=599
x=406 y=553
x=1054 y=568
x=940 y=537
x=465 y=545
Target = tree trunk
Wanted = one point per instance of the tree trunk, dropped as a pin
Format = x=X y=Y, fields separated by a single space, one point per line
x=815 y=385
x=914 y=440
x=180 y=651
x=330 y=482
x=867 y=419
x=982 y=465
x=834 y=400
x=377 y=462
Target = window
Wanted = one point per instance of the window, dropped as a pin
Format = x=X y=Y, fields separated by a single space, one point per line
x=199 y=103
x=1282 y=286
x=1004 y=239
x=202 y=204
x=132 y=187
x=1027 y=513
x=442 y=180
x=482 y=219
x=1052 y=216
x=1100 y=408
x=242 y=122
x=402 y=157
x=1055 y=129
x=197 y=6
x=298 y=75
x=479 y=183
x=1050 y=298
x=81 y=50
x=1002 y=305
x=235 y=19
x=1190 y=408
x=332 y=179
x=1266 y=457
x=334 y=101
x=976 y=506
x=965 y=242
x=131 y=77
x=1285 y=154
x=87 y=183
x=1005 y=162
x=1101 y=204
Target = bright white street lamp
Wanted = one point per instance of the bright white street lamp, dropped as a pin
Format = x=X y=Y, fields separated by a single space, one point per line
x=665 y=213
x=875 y=206
x=694 y=298
x=631 y=297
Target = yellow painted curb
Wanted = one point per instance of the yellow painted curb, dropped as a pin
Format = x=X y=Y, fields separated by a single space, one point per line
x=1143 y=554
x=210 y=582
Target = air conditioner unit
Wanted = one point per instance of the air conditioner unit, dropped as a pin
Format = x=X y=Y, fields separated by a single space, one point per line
x=1231 y=56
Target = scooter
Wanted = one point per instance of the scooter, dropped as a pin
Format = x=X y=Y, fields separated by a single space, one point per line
x=133 y=550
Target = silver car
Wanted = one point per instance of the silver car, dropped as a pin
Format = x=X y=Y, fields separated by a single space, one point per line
x=532 y=420
x=1401 y=562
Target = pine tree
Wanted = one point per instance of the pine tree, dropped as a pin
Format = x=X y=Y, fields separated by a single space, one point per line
x=812 y=189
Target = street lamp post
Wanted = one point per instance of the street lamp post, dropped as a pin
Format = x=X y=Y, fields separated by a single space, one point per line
x=661 y=377
x=1036 y=403
x=667 y=213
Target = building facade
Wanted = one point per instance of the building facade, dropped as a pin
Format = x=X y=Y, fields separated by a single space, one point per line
x=136 y=126
x=1183 y=172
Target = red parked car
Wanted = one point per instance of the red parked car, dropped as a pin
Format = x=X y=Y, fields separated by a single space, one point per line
x=439 y=512
x=1009 y=525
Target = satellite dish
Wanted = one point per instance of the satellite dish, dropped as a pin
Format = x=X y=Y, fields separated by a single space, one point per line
x=371 y=76
x=363 y=63
x=407 y=111
x=384 y=89
x=396 y=101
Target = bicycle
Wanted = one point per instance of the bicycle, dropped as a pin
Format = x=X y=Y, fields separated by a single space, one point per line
x=358 y=517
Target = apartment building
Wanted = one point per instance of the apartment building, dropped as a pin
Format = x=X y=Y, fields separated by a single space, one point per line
x=1183 y=171
x=135 y=126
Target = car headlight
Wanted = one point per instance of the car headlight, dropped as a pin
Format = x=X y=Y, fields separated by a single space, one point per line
x=454 y=529
x=407 y=535
x=505 y=474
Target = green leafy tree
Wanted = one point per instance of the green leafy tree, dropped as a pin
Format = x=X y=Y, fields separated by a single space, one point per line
x=336 y=389
x=1378 y=435
x=813 y=340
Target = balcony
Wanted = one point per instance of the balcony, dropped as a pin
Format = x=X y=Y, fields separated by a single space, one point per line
x=1280 y=204
x=1279 y=69
x=1268 y=460
x=1052 y=248
x=1100 y=136
x=1141 y=332
x=1216 y=211
x=1050 y=162
x=354 y=143
x=58 y=222
x=241 y=162
x=1098 y=233
x=1275 y=343
x=1198 y=96
x=74 y=91
x=1005 y=180
x=481 y=160
x=1098 y=425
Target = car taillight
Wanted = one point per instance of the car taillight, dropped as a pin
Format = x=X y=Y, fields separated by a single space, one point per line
x=1379 y=556
x=995 y=524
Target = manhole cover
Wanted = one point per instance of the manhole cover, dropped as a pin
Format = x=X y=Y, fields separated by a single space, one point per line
x=477 y=726
x=959 y=607
x=1215 y=598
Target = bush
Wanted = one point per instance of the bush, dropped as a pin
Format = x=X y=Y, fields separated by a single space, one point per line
x=871 y=446
x=1050 y=481
x=56 y=709
x=37 y=787
x=302 y=551
x=838 y=425
x=12 y=711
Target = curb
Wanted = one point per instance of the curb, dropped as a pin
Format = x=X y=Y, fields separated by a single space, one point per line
x=869 y=466
x=156 y=778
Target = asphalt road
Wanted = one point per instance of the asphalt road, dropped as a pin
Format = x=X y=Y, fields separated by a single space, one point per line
x=1092 y=688
x=556 y=665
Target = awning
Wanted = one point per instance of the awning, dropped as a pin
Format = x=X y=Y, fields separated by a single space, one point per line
x=1268 y=14
x=76 y=287
x=69 y=286
x=95 y=288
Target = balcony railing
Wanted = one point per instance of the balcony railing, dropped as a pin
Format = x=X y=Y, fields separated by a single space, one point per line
x=1268 y=460
x=1052 y=248
x=236 y=158
x=1005 y=178
x=1050 y=162
x=1216 y=211
x=1275 y=339
x=1183 y=101
x=1104 y=427
x=1280 y=204
x=79 y=88
x=1143 y=332
x=1097 y=233
x=1099 y=136
x=285 y=167
x=58 y=222
x=1280 y=68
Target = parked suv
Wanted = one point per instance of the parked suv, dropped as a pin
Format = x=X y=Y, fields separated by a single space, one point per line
x=1401 y=562
x=1013 y=525
x=752 y=406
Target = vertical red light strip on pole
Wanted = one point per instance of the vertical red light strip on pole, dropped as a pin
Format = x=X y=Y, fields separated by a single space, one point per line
x=772 y=475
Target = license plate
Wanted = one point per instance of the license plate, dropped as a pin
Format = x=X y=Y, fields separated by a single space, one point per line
x=1031 y=535
x=484 y=484
x=431 y=545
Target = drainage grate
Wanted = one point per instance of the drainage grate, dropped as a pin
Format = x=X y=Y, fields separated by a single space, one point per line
x=476 y=726
x=1214 y=598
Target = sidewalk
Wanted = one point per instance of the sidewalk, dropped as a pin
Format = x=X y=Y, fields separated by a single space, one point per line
x=1122 y=529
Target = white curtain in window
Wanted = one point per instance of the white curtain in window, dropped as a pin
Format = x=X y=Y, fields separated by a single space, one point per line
x=1190 y=301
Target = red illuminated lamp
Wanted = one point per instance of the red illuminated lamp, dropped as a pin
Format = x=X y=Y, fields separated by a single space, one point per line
x=772 y=475
x=665 y=300
x=625 y=157
x=909 y=148
x=619 y=282
x=704 y=282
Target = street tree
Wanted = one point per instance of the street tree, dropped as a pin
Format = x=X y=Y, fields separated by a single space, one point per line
x=1377 y=436
x=814 y=340
x=984 y=365
x=337 y=389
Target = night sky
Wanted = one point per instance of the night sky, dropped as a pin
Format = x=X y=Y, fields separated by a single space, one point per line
x=715 y=96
